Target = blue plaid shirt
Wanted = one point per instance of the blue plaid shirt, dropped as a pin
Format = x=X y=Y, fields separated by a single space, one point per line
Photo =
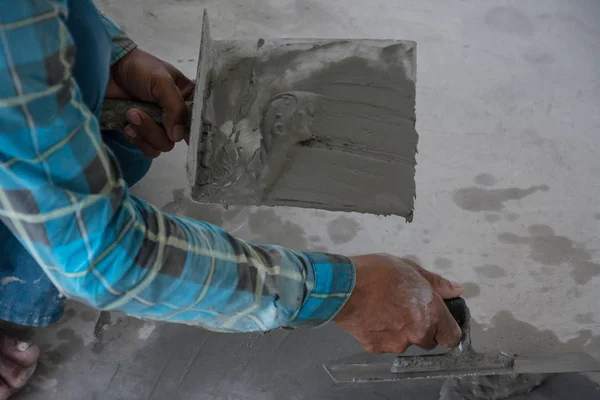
x=63 y=196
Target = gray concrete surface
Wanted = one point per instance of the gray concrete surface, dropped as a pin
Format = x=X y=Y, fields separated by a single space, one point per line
x=508 y=185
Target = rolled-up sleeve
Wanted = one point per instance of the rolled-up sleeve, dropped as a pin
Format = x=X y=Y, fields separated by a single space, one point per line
x=121 y=43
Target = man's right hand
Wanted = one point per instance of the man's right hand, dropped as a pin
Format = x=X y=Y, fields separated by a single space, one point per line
x=397 y=303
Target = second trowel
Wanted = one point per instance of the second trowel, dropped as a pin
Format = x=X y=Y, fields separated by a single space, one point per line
x=314 y=123
x=462 y=361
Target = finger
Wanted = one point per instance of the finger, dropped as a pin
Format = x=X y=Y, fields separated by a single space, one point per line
x=146 y=148
x=114 y=91
x=444 y=287
x=22 y=352
x=5 y=390
x=427 y=341
x=185 y=85
x=149 y=130
x=170 y=100
x=447 y=332
x=384 y=342
x=188 y=91
x=390 y=343
x=14 y=374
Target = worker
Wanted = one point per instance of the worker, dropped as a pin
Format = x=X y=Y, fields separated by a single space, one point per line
x=70 y=228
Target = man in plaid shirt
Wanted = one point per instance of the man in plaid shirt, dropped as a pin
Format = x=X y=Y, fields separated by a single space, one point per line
x=70 y=228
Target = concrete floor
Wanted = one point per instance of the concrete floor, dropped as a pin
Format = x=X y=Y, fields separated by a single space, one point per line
x=508 y=189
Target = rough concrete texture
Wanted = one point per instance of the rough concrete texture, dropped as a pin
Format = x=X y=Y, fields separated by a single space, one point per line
x=490 y=387
x=507 y=89
x=326 y=124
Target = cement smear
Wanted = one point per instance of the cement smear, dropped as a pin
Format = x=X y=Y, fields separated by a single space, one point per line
x=319 y=124
x=495 y=387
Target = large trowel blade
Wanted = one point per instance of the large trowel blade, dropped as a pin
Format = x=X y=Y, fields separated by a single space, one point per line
x=544 y=364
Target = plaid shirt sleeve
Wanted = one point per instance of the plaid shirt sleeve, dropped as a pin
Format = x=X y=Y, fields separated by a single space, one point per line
x=63 y=196
x=121 y=43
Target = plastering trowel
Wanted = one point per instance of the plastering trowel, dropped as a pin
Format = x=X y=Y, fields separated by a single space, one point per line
x=313 y=123
x=462 y=362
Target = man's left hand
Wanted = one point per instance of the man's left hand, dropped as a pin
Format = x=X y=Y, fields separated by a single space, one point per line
x=142 y=76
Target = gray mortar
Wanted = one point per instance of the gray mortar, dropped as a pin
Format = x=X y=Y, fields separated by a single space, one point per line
x=320 y=123
x=308 y=123
x=495 y=387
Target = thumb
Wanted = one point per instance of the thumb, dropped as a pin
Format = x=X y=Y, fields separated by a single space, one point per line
x=445 y=288
x=174 y=109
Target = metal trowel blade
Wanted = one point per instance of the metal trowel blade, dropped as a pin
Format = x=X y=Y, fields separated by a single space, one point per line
x=381 y=371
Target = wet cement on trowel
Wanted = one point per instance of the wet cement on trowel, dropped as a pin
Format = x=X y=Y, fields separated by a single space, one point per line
x=319 y=124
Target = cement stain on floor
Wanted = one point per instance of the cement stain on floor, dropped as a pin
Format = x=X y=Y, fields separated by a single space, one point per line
x=265 y=224
x=509 y=216
x=585 y=318
x=485 y=180
x=480 y=199
x=491 y=271
x=343 y=229
x=510 y=21
x=182 y=206
x=536 y=57
x=442 y=263
x=491 y=218
x=548 y=248
x=525 y=338
x=471 y=290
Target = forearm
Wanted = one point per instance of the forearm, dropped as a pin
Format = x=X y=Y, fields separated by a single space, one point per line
x=182 y=270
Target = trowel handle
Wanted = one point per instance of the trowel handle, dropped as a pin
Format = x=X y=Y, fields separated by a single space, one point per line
x=461 y=313
x=114 y=112
x=459 y=310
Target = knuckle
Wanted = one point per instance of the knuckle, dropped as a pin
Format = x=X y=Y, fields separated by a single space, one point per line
x=163 y=77
x=400 y=348
x=21 y=379
x=420 y=335
x=15 y=376
x=372 y=348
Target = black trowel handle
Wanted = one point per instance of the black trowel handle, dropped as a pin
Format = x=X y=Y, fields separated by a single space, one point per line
x=459 y=310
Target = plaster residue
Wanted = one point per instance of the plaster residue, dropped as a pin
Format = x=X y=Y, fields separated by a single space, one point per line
x=325 y=124
x=10 y=279
x=146 y=330
x=494 y=387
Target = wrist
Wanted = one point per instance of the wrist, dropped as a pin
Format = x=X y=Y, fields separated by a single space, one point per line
x=330 y=281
